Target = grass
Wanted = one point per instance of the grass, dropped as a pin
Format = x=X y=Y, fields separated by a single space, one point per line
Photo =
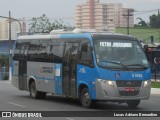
x=155 y=84
x=142 y=33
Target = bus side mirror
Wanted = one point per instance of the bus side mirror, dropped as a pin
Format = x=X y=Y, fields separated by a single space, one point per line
x=145 y=47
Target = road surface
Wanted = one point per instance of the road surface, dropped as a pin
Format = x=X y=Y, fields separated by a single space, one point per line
x=12 y=99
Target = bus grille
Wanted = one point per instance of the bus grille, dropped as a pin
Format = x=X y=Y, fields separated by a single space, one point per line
x=125 y=93
x=128 y=83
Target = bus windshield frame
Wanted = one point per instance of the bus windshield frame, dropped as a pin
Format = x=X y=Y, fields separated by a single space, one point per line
x=118 y=54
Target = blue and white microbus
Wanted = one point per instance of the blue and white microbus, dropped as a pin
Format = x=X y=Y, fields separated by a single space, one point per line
x=85 y=66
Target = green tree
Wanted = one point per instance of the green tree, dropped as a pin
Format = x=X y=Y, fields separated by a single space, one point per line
x=155 y=21
x=43 y=25
x=142 y=23
x=39 y=24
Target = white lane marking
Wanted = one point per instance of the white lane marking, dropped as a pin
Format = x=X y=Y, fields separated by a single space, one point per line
x=152 y=101
x=6 y=82
x=16 y=104
x=69 y=119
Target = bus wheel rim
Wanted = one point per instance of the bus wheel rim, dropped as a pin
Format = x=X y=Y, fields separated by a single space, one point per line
x=86 y=98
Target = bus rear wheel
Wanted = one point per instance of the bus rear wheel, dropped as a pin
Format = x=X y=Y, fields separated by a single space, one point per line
x=85 y=98
x=133 y=103
x=36 y=94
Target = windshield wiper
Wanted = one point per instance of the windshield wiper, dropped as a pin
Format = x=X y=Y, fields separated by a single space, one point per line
x=139 y=65
x=114 y=62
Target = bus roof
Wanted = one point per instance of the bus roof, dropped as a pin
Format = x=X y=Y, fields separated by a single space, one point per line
x=112 y=36
x=77 y=35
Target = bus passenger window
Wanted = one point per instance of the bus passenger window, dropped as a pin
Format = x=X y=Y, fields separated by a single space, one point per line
x=56 y=54
x=24 y=49
x=86 y=55
x=56 y=51
x=17 y=50
x=44 y=51
x=33 y=50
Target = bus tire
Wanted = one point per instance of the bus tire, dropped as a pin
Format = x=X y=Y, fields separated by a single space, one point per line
x=133 y=103
x=85 y=98
x=36 y=94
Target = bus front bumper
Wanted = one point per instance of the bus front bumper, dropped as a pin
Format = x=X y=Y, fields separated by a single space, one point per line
x=109 y=90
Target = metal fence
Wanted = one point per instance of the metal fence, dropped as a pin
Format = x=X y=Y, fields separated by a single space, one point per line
x=4 y=50
x=4 y=73
x=155 y=69
x=153 y=55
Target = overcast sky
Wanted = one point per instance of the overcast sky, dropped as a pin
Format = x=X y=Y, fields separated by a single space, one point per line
x=65 y=8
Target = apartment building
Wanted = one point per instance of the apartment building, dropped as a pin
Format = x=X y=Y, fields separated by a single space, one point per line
x=101 y=16
x=15 y=29
x=4 y=29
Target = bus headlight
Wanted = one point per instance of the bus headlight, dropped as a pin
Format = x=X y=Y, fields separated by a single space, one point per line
x=146 y=82
x=109 y=82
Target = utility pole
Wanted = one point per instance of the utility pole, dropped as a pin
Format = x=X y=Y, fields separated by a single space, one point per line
x=127 y=17
x=10 y=69
x=128 y=22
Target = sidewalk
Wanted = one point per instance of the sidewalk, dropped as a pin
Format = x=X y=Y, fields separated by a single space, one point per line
x=157 y=80
x=155 y=90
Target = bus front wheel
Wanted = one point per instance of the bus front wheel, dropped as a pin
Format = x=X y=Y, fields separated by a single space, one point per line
x=85 y=98
x=36 y=94
x=133 y=103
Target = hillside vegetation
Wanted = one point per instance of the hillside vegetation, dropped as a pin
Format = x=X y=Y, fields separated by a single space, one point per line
x=142 y=33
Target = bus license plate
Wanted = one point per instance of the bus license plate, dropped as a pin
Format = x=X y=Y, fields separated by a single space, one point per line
x=129 y=89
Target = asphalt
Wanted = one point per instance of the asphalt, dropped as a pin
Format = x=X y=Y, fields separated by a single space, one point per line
x=153 y=90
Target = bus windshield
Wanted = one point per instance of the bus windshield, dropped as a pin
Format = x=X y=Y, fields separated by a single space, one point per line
x=118 y=54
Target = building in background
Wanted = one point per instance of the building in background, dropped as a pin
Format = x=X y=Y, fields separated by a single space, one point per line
x=102 y=16
x=15 y=28
x=4 y=29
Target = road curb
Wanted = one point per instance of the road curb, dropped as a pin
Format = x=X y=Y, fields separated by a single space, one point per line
x=155 y=90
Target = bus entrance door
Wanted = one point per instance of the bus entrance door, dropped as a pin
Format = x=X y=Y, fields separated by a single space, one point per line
x=69 y=69
x=22 y=75
x=23 y=67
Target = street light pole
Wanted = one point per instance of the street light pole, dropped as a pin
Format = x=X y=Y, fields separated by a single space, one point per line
x=9 y=25
x=10 y=69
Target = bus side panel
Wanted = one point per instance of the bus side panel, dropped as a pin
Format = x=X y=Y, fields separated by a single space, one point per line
x=15 y=69
x=44 y=74
x=58 y=79
x=87 y=75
